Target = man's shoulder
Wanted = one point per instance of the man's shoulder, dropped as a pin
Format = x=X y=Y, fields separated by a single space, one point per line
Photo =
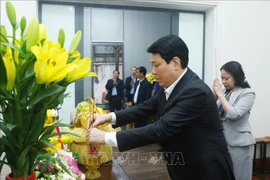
x=146 y=81
x=129 y=77
x=198 y=85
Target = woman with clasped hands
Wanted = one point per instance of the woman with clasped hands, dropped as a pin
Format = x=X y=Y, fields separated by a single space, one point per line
x=234 y=105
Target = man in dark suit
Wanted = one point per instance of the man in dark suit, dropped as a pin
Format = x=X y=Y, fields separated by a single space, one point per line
x=188 y=128
x=130 y=84
x=115 y=88
x=143 y=92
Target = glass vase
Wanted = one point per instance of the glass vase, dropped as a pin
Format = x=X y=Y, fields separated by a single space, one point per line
x=92 y=163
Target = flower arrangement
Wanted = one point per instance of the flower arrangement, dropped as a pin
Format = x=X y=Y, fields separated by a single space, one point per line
x=150 y=77
x=34 y=75
x=62 y=167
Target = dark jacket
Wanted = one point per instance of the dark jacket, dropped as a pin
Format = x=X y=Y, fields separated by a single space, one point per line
x=128 y=86
x=144 y=92
x=119 y=87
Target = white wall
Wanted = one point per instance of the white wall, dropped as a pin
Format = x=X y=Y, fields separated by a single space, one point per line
x=244 y=35
x=191 y=31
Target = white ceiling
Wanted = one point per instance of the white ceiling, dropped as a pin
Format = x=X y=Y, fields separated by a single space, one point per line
x=195 y=5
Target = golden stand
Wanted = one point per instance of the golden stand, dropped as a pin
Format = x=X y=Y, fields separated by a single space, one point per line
x=92 y=163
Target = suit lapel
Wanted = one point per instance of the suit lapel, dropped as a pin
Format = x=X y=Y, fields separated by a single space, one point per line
x=179 y=88
x=135 y=86
x=235 y=95
x=161 y=103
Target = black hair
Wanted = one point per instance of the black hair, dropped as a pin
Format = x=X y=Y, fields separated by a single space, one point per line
x=142 y=70
x=170 y=46
x=235 y=69
x=116 y=71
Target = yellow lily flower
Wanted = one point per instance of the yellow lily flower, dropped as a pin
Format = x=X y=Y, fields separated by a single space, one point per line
x=51 y=64
x=82 y=70
x=55 y=143
x=66 y=139
x=10 y=69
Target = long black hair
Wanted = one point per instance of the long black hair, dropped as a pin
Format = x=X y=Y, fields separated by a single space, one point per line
x=235 y=69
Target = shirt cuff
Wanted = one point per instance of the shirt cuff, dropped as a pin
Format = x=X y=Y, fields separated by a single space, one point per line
x=113 y=121
x=110 y=139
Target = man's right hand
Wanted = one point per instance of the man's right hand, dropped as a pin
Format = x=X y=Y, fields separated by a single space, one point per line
x=98 y=119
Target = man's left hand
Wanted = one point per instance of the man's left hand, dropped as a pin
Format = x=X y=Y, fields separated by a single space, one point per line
x=95 y=136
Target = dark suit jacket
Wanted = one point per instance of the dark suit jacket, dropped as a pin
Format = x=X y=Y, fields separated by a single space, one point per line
x=119 y=87
x=145 y=91
x=128 y=86
x=188 y=130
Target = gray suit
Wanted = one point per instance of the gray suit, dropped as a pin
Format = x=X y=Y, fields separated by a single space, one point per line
x=238 y=132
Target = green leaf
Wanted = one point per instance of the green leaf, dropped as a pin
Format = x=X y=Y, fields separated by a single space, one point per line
x=12 y=46
x=7 y=132
x=11 y=126
x=46 y=93
x=32 y=157
x=3 y=98
x=10 y=152
x=25 y=154
x=47 y=143
x=34 y=126
x=49 y=129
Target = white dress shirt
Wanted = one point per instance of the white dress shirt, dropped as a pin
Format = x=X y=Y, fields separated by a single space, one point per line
x=137 y=91
x=110 y=137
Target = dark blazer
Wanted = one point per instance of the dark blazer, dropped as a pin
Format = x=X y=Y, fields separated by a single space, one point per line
x=119 y=87
x=128 y=86
x=188 y=130
x=145 y=91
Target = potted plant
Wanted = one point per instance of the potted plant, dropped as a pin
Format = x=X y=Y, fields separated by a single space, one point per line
x=34 y=75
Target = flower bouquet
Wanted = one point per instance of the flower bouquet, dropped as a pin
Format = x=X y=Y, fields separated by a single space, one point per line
x=150 y=77
x=63 y=166
x=34 y=75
